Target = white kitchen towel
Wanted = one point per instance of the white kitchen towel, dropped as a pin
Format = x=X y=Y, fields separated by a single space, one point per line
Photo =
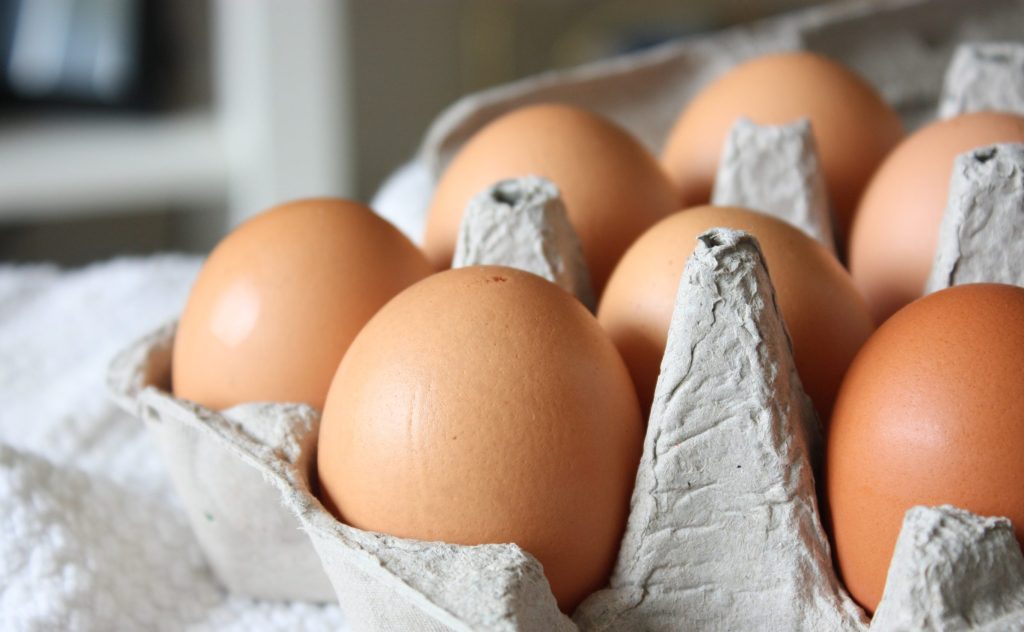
x=91 y=535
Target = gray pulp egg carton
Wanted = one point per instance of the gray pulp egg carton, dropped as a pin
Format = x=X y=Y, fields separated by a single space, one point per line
x=724 y=530
x=253 y=543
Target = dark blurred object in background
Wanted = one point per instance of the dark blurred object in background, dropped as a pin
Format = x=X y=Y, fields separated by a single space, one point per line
x=134 y=126
x=91 y=53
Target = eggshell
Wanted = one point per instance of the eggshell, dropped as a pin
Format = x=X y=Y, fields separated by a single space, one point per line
x=853 y=126
x=826 y=318
x=613 y=188
x=487 y=405
x=281 y=297
x=896 y=232
x=931 y=412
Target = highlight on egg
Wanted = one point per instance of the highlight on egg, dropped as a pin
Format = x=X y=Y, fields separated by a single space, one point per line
x=931 y=412
x=486 y=405
x=613 y=188
x=280 y=298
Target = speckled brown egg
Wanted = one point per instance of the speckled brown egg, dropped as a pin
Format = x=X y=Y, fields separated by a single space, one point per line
x=896 y=232
x=613 y=188
x=931 y=412
x=278 y=301
x=487 y=405
x=853 y=126
x=826 y=318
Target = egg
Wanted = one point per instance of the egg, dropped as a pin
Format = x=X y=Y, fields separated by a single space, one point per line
x=279 y=299
x=931 y=412
x=853 y=126
x=896 y=233
x=826 y=318
x=486 y=405
x=612 y=186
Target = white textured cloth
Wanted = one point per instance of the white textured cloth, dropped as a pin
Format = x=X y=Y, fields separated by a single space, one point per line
x=91 y=535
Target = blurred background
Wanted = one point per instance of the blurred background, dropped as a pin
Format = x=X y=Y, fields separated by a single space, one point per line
x=134 y=126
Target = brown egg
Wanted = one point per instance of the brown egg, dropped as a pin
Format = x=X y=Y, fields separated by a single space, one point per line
x=612 y=187
x=486 y=405
x=853 y=127
x=826 y=318
x=896 y=233
x=931 y=412
x=281 y=297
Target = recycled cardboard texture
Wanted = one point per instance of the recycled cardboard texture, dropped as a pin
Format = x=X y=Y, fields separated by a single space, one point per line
x=522 y=223
x=953 y=570
x=723 y=531
x=252 y=542
x=708 y=547
x=984 y=76
x=981 y=238
x=775 y=169
x=381 y=582
x=904 y=49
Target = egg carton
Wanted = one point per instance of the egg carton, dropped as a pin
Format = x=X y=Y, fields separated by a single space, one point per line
x=254 y=545
x=706 y=547
x=723 y=531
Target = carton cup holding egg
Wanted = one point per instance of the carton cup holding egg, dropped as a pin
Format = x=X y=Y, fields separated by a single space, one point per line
x=254 y=544
x=280 y=550
x=724 y=529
